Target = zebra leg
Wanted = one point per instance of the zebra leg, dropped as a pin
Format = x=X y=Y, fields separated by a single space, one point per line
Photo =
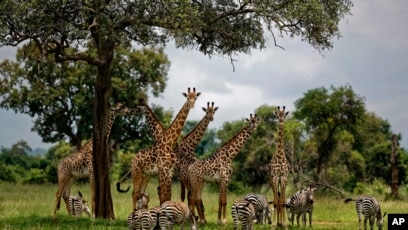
x=365 y=223
x=372 y=220
x=304 y=218
x=310 y=217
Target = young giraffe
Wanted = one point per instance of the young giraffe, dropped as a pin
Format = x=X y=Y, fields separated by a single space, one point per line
x=160 y=159
x=79 y=164
x=217 y=168
x=279 y=171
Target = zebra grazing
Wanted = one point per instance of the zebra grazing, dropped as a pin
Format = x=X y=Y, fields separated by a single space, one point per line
x=243 y=210
x=299 y=204
x=143 y=202
x=262 y=207
x=175 y=212
x=370 y=208
x=143 y=219
x=77 y=205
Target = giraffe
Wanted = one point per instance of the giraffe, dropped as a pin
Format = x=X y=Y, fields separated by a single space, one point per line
x=217 y=168
x=159 y=159
x=185 y=149
x=279 y=171
x=79 y=164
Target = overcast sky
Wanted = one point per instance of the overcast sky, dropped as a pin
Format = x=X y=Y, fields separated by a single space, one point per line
x=371 y=56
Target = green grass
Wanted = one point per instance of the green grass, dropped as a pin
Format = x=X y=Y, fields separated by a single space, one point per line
x=30 y=207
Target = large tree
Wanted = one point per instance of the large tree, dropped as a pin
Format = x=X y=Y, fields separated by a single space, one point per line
x=326 y=113
x=90 y=31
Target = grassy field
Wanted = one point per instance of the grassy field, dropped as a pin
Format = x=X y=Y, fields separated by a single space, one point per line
x=30 y=207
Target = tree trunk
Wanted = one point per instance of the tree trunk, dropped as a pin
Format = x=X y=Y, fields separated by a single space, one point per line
x=103 y=199
x=394 y=167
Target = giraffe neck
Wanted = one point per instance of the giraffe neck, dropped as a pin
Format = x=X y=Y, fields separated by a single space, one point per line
x=173 y=132
x=189 y=143
x=112 y=116
x=231 y=148
x=280 y=147
x=154 y=123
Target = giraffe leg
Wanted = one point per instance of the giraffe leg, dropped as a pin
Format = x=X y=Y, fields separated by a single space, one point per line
x=183 y=191
x=165 y=179
x=137 y=184
x=197 y=201
x=93 y=192
x=222 y=203
x=274 y=184
x=282 y=198
x=63 y=182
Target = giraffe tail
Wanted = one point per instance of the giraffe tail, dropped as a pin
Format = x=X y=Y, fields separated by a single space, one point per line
x=118 y=184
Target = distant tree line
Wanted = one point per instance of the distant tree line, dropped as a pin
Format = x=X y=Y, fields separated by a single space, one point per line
x=330 y=138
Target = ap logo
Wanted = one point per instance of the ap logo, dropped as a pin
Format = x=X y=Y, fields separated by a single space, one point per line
x=397 y=221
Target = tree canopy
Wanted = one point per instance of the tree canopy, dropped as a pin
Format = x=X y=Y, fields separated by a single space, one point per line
x=58 y=95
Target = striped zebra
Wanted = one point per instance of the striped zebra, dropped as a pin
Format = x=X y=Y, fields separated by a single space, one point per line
x=262 y=207
x=299 y=204
x=370 y=208
x=143 y=219
x=77 y=205
x=243 y=211
x=175 y=212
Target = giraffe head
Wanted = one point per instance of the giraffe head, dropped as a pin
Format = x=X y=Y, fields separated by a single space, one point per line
x=191 y=97
x=209 y=111
x=281 y=114
x=252 y=121
x=120 y=109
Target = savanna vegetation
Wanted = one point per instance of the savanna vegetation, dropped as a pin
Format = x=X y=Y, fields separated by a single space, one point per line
x=87 y=55
x=29 y=207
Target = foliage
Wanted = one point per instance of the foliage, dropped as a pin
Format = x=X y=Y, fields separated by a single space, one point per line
x=325 y=114
x=17 y=166
x=62 y=108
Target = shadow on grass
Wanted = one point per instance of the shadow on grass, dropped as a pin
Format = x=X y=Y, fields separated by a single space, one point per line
x=61 y=222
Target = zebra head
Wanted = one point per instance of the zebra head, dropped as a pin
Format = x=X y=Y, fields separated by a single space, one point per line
x=143 y=202
x=380 y=219
x=85 y=207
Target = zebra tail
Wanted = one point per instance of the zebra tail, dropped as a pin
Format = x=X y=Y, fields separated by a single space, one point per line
x=118 y=183
x=348 y=200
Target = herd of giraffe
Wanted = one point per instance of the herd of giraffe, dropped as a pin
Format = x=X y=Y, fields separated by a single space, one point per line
x=167 y=158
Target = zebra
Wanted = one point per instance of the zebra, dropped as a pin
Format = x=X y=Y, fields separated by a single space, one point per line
x=243 y=210
x=370 y=208
x=143 y=219
x=136 y=217
x=175 y=212
x=77 y=205
x=299 y=204
x=262 y=207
